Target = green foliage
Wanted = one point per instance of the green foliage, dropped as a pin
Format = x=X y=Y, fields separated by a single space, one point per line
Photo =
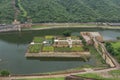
x=34 y=48
x=43 y=11
x=72 y=10
x=118 y=38
x=4 y=73
x=116 y=50
x=67 y=33
x=6 y=11
x=86 y=48
x=110 y=48
x=67 y=49
x=38 y=39
x=48 y=49
x=115 y=72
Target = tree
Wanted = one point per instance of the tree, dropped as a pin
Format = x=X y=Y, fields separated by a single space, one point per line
x=67 y=33
x=118 y=38
x=4 y=73
x=86 y=48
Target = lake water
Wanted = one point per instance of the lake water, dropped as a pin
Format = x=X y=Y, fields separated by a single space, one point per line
x=13 y=46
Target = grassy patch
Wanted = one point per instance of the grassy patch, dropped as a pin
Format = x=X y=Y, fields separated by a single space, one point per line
x=77 y=49
x=115 y=73
x=49 y=37
x=48 y=49
x=116 y=44
x=67 y=49
x=95 y=76
x=34 y=48
x=38 y=39
x=38 y=26
x=90 y=75
x=97 y=57
x=75 y=37
x=44 y=79
x=62 y=49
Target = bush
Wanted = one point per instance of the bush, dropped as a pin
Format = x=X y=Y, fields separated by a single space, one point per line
x=86 y=48
x=67 y=33
x=4 y=73
x=118 y=38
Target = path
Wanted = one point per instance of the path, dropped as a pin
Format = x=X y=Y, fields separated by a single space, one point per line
x=56 y=76
x=22 y=9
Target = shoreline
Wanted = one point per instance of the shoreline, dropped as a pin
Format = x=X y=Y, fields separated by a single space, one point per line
x=45 y=26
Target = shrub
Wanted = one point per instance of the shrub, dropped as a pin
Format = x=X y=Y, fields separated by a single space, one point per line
x=118 y=38
x=5 y=73
x=67 y=33
x=86 y=48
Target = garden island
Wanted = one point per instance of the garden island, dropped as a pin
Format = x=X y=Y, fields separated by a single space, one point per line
x=63 y=46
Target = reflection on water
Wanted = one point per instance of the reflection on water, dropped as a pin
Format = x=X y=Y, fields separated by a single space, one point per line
x=13 y=46
x=58 y=59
